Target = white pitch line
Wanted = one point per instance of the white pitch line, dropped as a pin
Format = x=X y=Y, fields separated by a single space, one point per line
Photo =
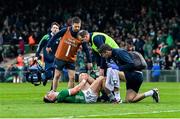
x=153 y=112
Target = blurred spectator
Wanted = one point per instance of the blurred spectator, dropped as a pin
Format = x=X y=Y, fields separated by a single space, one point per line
x=11 y=74
x=20 y=66
x=149 y=63
x=1 y=53
x=81 y=61
x=31 y=42
x=1 y=38
x=21 y=45
x=156 y=71
x=148 y=48
x=2 y=74
x=155 y=22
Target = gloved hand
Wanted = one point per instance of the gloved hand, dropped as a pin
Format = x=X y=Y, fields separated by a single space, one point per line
x=113 y=66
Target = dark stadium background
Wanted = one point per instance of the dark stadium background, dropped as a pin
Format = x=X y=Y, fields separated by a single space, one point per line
x=150 y=27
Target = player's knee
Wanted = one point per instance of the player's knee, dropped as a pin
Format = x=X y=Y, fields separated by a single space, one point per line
x=74 y=90
x=57 y=76
x=130 y=100
x=100 y=77
x=71 y=79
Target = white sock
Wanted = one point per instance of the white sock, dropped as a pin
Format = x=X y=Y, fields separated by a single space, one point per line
x=17 y=80
x=117 y=95
x=148 y=93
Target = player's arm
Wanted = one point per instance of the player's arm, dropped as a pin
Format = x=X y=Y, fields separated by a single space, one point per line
x=41 y=44
x=98 y=41
x=88 y=55
x=87 y=51
x=55 y=37
x=83 y=77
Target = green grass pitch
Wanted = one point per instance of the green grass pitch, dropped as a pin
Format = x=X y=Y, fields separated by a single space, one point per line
x=25 y=101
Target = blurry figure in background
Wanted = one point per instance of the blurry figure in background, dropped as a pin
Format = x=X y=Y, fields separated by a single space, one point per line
x=177 y=59
x=1 y=47
x=31 y=61
x=20 y=66
x=48 y=57
x=21 y=45
x=2 y=74
x=1 y=38
x=11 y=74
x=156 y=72
x=1 y=53
x=31 y=42
x=81 y=60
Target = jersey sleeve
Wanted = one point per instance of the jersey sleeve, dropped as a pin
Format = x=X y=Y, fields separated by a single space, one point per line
x=42 y=44
x=56 y=36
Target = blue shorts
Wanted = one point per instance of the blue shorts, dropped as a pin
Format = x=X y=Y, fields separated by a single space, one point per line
x=134 y=80
x=60 y=64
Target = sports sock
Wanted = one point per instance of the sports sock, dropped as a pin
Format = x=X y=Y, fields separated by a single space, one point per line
x=117 y=95
x=148 y=93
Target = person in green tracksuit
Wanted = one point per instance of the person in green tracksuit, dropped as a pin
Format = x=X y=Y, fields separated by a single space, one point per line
x=48 y=57
x=96 y=39
x=87 y=91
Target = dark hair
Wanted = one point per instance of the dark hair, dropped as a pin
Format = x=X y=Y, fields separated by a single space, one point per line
x=55 y=23
x=76 y=20
x=82 y=33
x=46 y=100
x=103 y=48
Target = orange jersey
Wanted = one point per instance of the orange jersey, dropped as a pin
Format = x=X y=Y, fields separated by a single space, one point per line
x=68 y=47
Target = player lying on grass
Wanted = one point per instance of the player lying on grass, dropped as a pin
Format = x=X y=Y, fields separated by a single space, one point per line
x=87 y=91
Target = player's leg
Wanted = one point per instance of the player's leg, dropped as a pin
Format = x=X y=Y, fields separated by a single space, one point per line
x=90 y=80
x=56 y=78
x=86 y=77
x=134 y=81
x=97 y=85
x=113 y=85
x=59 y=64
x=48 y=72
x=132 y=96
x=71 y=75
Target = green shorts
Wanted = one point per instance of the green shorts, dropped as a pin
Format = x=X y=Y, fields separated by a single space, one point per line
x=64 y=96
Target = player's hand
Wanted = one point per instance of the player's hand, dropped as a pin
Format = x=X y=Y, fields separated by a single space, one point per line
x=84 y=76
x=113 y=66
x=48 y=50
x=89 y=66
x=36 y=58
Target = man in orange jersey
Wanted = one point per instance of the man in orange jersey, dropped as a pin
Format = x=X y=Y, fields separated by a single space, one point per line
x=65 y=55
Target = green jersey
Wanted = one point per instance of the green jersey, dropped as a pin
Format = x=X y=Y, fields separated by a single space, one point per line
x=86 y=96
x=64 y=96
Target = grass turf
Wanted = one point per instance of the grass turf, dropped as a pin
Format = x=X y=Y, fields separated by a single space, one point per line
x=25 y=100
